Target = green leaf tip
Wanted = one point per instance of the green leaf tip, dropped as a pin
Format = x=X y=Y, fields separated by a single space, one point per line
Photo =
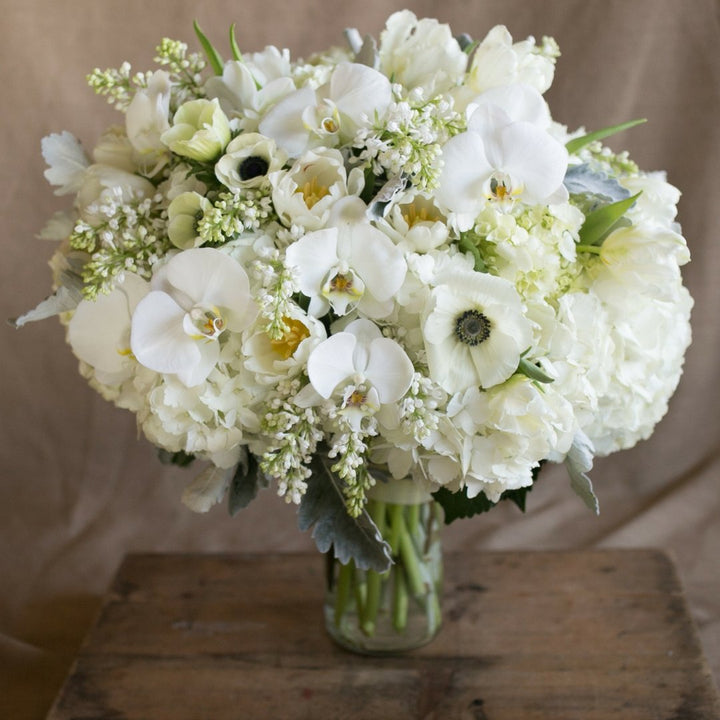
x=599 y=223
x=212 y=54
x=572 y=146
x=237 y=55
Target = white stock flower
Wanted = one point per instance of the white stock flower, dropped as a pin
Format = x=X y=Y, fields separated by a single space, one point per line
x=200 y=131
x=421 y=53
x=475 y=331
x=356 y=96
x=501 y=159
x=197 y=296
x=99 y=331
x=66 y=161
x=147 y=118
x=305 y=194
x=350 y=266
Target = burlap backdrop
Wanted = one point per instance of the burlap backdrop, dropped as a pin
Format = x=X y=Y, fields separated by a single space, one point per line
x=78 y=490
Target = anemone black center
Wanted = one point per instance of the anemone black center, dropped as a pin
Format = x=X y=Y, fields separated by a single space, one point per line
x=251 y=167
x=472 y=327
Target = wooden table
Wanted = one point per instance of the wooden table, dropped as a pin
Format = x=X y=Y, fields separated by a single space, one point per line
x=528 y=636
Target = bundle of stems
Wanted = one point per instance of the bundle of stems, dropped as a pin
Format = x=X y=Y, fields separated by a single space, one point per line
x=412 y=531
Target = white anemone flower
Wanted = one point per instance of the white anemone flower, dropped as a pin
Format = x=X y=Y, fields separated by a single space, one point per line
x=366 y=369
x=502 y=158
x=99 y=331
x=475 y=331
x=309 y=118
x=346 y=267
x=200 y=294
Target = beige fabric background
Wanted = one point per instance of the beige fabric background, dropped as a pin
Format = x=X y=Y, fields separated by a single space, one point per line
x=77 y=489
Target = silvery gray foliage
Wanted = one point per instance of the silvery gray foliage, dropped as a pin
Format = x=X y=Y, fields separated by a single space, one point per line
x=578 y=462
x=364 y=48
x=324 y=510
x=245 y=484
x=377 y=207
x=64 y=299
x=583 y=180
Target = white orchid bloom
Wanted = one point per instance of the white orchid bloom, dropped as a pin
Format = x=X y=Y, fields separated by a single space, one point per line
x=200 y=294
x=99 y=331
x=353 y=265
x=501 y=158
x=147 y=118
x=475 y=331
x=366 y=369
x=332 y=114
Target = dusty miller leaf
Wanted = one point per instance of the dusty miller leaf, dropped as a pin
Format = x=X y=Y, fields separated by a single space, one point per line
x=62 y=300
x=245 y=484
x=378 y=204
x=582 y=180
x=578 y=462
x=207 y=489
x=323 y=509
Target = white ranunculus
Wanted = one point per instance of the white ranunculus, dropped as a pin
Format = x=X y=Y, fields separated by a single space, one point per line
x=147 y=118
x=645 y=260
x=114 y=149
x=242 y=95
x=199 y=131
x=355 y=96
x=248 y=160
x=421 y=53
x=183 y=214
x=415 y=223
x=66 y=161
x=346 y=267
x=287 y=356
x=99 y=331
x=499 y=61
x=103 y=182
x=199 y=295
x=475 y=331
x=305 y=194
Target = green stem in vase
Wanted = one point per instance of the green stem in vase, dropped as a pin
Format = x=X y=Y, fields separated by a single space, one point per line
x=400 y=600
x=342 y=591
x=408 y=555
x=375 y=582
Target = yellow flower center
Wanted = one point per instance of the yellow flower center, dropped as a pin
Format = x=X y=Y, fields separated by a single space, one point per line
x=412 y=214
x=313 y=192
x=294 y=335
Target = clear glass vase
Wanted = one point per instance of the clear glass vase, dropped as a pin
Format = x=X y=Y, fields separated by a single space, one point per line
x=387 y=613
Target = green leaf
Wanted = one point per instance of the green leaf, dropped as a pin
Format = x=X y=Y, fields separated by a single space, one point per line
x=466 y=244
x=245 y=484
x=237 y=55
x=458 y=505
x=533 y=371
x=599 y=223
x=578 y=143
x=323 y=509
x=180 y=458
x=212 y=54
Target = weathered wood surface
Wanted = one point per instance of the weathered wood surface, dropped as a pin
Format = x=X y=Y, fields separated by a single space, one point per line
x=593 y=635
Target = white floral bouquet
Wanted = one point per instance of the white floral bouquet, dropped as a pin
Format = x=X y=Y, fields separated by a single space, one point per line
x=386 y=256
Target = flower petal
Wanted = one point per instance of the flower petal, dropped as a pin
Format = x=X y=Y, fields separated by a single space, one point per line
x=389 y=369
x=157 y=338
x=331 y=362
x=284 y=122
x=465 y=170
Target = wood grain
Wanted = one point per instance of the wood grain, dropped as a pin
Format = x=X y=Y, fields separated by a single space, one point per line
x=593 y=635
